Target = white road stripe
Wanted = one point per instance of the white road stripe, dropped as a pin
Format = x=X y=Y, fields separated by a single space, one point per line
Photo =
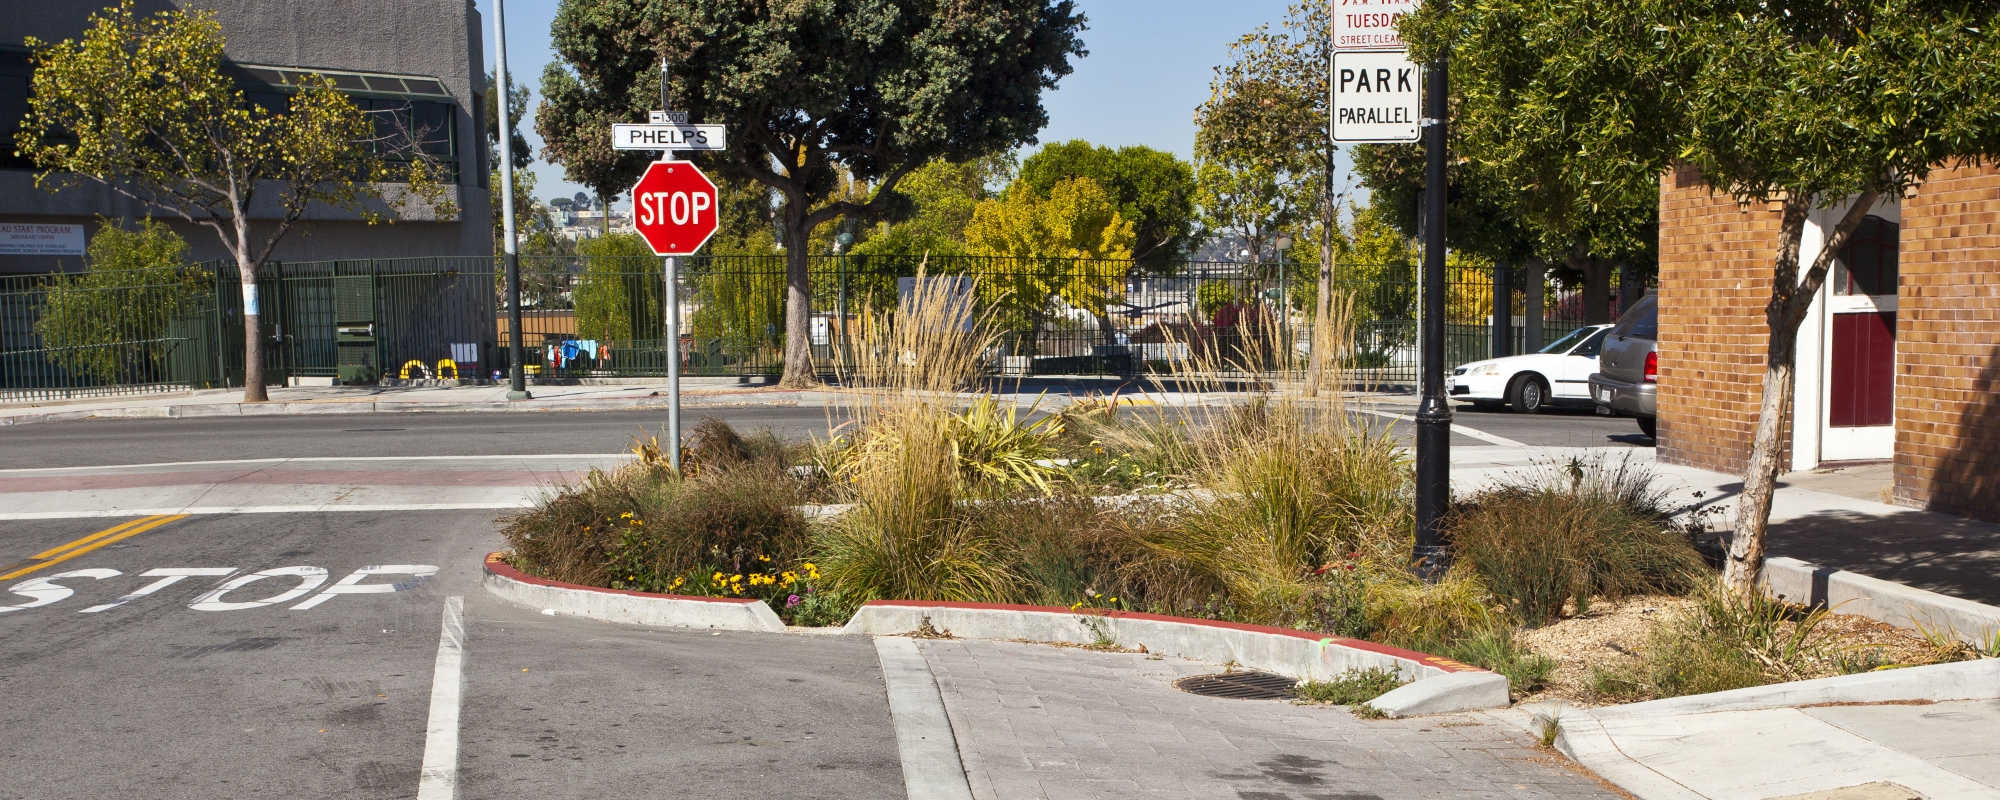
x=323 y=509
x=931 y=766
x=1456 y=428
x=314 y=459
x=439 y=780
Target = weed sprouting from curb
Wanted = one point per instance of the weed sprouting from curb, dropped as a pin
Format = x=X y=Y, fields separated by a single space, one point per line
x=1550 y=728
x=1355 y=687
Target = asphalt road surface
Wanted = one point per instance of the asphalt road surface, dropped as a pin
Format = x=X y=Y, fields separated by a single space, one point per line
x=261 y=692
x=120 y=682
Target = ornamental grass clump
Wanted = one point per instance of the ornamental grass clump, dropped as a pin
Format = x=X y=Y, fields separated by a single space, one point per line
x=1559 y=537
x=912 y=460
x=642 y=527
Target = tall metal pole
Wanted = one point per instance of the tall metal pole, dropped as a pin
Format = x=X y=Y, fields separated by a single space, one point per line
x=673 y=303
x=1433 y=410
x=517 y=386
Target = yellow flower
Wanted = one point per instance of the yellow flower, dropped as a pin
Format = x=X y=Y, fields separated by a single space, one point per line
x=626 y=515
x=763 y=558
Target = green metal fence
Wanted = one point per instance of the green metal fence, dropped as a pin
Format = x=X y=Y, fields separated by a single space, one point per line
x=584 y=318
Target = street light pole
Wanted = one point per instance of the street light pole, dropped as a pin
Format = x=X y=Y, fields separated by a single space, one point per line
x=517 y=386
x=1433 y=410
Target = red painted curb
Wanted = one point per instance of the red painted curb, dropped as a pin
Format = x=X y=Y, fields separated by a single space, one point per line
x=497 y=566
x=1440 y=662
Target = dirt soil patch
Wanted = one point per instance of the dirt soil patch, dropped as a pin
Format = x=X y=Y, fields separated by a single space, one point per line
x=1612 y=634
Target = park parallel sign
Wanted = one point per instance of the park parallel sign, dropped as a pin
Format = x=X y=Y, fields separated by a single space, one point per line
x=1370 y=24
x=1377 y=97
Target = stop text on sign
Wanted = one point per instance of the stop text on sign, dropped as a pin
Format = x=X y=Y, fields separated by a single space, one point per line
x=1377 y=97
x=673 y=208
x=1370 y=24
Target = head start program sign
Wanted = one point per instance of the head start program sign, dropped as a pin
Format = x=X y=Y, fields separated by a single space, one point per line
x=1369 y=24
x=40 y=239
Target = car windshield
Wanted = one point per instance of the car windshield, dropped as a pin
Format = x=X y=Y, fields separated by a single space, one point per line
x=1564 y=344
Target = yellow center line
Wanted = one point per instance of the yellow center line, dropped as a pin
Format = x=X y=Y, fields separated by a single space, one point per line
x=60 y=549
x=92 y=542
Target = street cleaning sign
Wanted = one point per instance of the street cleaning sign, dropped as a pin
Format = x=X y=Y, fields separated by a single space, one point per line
x=1377 y=97
x=668 y=136
x=1370 y=24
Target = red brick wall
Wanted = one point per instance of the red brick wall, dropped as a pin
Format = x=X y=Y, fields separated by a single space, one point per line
x=1948 y=346
x=1715 y=278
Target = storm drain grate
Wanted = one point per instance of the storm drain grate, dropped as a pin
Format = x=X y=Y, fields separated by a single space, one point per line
x=1239 y=685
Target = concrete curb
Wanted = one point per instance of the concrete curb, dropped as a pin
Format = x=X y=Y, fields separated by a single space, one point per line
x=932 y=768
x=1583 y=739
x=1965 y=680
x=193 y=410
x=1440 y=685
x=635 y=608
x=1879 y=600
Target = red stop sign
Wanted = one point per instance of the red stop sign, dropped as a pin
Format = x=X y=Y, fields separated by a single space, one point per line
x=674 y=207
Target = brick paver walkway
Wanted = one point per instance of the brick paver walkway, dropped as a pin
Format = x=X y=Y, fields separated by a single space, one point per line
x=1035 y=721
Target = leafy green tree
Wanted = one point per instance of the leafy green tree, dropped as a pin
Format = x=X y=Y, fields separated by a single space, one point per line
x=574 y=121
x=1153 y=189
x=617 y=295
x=111 y=321
x=1071 y=246
x=1246 y=198
x=1266 y=120
x=143 y=107
x=812 y=90
x=1804 y=103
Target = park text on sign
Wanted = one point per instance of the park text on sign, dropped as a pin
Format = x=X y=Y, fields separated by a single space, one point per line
x=40 y=239
x=674 y=208
x=668 y=136
x=1369 y=24
x=1377 y=97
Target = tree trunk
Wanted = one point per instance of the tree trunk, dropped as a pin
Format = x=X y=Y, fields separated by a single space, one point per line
x=1321 y=341
x=1790 y=298
x=1596 y=289
x=1535 y=284
x=798 y=299
x=253 y=335
x=604 y=205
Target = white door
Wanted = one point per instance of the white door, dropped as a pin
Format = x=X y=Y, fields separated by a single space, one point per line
x=1858 y=401
x=1578 y=365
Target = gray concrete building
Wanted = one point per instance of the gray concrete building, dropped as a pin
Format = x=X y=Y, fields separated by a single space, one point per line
x=419 y=58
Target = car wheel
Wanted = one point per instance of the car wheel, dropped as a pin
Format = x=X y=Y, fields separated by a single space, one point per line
x=1529 y=395
x=1647 y=425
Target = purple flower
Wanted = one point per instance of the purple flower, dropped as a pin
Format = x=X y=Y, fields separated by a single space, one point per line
x=791 y=601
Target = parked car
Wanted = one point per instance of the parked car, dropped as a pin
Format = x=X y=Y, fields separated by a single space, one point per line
x=1627 y=380
x=1556 y=375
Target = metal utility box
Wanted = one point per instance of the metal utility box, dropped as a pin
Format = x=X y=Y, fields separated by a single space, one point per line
x=354 y=329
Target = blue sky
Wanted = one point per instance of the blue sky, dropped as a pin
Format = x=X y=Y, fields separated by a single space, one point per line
x=1149 y=66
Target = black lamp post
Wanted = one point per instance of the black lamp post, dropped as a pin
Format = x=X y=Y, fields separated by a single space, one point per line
x=1433 y=410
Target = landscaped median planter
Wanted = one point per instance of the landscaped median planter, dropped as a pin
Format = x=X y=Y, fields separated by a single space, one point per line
x=637 y=608
x=1439 y=685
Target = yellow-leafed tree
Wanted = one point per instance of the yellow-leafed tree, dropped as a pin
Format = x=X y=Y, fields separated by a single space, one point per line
x=1072 y=245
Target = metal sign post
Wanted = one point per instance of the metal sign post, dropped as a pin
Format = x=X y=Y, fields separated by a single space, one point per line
x=674 y=209
x=1375 y=98
x=517 y=380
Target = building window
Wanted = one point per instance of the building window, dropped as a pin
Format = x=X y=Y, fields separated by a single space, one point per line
x=1867 y=264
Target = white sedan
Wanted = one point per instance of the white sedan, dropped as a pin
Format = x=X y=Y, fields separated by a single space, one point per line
x=1559 y=373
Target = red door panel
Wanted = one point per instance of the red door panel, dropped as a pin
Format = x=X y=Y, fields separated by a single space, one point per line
x=1864 y=370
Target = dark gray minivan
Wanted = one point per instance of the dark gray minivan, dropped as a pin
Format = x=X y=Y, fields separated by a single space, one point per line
x=1628 y=373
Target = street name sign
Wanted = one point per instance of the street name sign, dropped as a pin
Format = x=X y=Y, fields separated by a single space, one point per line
x=1377 y=97
x=674 y=208
x=667 y=136
x=1370 y=24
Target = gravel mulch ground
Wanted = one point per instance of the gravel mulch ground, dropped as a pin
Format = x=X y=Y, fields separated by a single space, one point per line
x=1611 y=634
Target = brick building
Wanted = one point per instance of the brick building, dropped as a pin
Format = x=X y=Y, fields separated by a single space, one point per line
x=1899 y=360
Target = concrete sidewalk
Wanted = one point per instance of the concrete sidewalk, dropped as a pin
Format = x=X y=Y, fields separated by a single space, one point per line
x=1823 y=519
x=1921 y=732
